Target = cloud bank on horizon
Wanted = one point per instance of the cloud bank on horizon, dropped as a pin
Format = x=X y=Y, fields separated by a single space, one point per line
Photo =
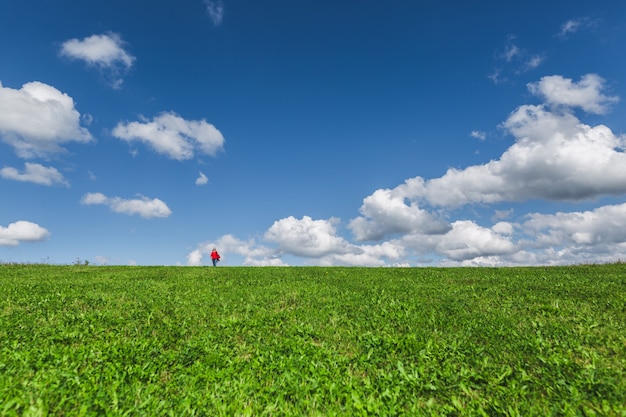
x=555 y=156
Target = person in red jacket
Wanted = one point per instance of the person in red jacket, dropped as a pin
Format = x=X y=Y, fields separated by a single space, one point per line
x=215 y=257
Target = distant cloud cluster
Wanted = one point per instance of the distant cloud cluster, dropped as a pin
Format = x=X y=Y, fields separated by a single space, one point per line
x=554 y=157
x=38 y=120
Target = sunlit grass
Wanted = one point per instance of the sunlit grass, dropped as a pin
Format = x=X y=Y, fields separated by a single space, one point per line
x=85 y=340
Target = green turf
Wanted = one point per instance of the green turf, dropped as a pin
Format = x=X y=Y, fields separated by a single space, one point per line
x=307 y=341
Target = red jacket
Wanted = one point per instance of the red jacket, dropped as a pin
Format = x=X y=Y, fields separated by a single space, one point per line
x=215 y=255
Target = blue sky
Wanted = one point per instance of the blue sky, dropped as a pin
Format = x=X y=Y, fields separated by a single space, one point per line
x=408 y=133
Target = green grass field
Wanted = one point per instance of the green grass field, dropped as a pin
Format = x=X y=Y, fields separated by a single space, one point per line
x=293 y=341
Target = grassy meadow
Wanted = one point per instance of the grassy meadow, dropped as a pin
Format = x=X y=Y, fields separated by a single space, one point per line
x=82 y=340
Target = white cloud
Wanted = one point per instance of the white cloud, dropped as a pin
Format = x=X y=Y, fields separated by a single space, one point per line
x=194 y=258
x=389 y=212
x=601 y=226
x=368 y=255
x=103 y=51
x=503 y=228
x=173 y=136
x=102 y=260
x=306 y=237
x=36 y=173
x=467 y=240
x=22 y=231
x=215 y=10
x=37 y=119
x=142 y=206
x=202 y=179
x=586 y=94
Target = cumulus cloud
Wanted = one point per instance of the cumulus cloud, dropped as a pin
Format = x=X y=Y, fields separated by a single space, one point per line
x=586 y=94
x=38 y=119
x=142 y=206
x=22 y=231
x=467 y=240
x=464 y=241
x=388 y=212
x=368 y=255
x=36 y=173
x=102 y=50
x=306 y=237
x=173 y=136
x=215 y=10
x=105 y=51
x=601 y=226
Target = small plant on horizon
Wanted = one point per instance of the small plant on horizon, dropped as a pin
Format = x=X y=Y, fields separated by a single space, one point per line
x=77 y=262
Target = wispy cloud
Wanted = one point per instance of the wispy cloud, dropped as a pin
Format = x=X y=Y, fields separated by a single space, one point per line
x=573 y=26
x=35 y=173
x=514 y=60
x=511 y=51
x=215 y=10
x=478 y=135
